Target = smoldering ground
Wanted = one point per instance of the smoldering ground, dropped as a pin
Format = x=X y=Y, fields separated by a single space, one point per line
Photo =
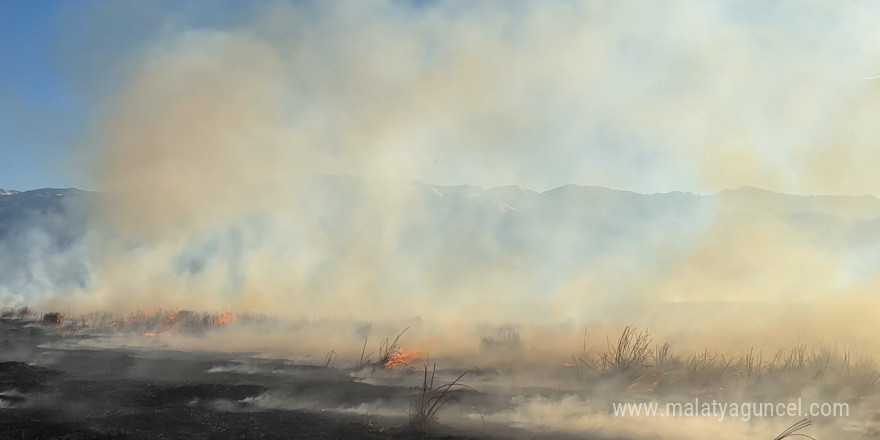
x=274 y=163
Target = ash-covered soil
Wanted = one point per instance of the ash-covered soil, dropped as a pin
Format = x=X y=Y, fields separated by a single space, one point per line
x=49 y=392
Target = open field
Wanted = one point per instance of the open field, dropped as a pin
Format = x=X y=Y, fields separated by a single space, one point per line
x=147 y=394
x=132 y=377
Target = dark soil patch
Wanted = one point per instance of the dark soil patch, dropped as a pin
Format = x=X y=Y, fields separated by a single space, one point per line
x=23 y=377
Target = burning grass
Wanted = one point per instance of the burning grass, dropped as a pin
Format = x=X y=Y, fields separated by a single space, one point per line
x=145 y=322
x=422 y=400
x=631 y=358
x=158 y=322
x=390 y=355
x=623 y=365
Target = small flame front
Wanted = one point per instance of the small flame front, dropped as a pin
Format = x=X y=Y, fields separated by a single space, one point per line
x=226 y=318
x=171 y=317
x=402 y=357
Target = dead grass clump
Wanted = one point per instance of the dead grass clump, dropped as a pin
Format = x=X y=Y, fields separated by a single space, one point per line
x=390 y=352
x=706 y=367
x=330 y=360
x=751 y=364
x=630 y=353
x=17 y=313
x=98 y=319
x=505 y=339
x=427 y=401
x=833 y=366
x=584 y=362
x=858 y=371
x=819 y=361
x=801 y=364
x=258 y=320
x=366 y=358
x=665 y=363
x=795 y=358
x=53 y=318
x=790 y=369
x=664 y=358
x=792 y=431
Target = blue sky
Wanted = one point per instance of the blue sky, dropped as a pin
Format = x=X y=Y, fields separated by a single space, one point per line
x=54 y=55
x=41 y=112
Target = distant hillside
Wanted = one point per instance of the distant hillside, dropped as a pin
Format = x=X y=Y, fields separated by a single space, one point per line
x=26 y=209
x=537 y=241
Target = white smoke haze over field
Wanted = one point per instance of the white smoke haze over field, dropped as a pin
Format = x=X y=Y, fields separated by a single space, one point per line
x=212 y=139
x=652 y=98
x=302 y=160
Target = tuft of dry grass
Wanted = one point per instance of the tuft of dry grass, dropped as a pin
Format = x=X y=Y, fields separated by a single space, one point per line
x=427 y=401
x=792 y=431
x=819 y=363
x=859 y=371
x=389 y=352
x=752 y=364
x=24 y=312
x=389 y=349
x=584 y=361
x=53 y=318
x=330 y=359
x=366 y=358
x=665 y=363
x=505 y=339
x=707 y=366
x=631 y=352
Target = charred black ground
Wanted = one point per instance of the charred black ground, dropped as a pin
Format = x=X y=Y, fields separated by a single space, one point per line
x=53 y=393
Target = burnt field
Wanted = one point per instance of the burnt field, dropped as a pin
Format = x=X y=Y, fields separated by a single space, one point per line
x=83 y=393
x=167 y=374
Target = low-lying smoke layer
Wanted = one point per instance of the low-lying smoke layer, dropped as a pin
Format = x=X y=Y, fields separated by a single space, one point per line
x=213 y=149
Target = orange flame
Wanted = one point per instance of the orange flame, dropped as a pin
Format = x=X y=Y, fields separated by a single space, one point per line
x=402 y=358
x=151 y=333
x=171 y=317
x=226 y=318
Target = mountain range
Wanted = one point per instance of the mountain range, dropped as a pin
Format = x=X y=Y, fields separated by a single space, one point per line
x=540 y=238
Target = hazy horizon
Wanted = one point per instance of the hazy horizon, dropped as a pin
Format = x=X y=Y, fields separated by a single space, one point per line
x=740 y=188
